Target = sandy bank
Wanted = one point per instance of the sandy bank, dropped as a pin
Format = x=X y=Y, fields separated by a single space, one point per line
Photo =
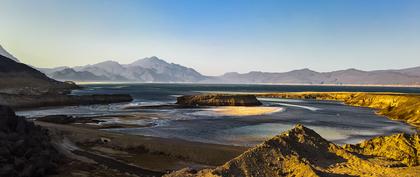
x=158 y=154
x=240 y=111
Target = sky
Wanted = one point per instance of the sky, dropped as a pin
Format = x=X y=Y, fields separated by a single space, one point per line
x=216 y=36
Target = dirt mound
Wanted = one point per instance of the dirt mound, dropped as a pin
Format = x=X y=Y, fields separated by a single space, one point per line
x=25 y=149
x=302 y=152
x=218 y=100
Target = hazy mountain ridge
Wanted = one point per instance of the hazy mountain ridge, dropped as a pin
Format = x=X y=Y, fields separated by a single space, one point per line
x=150 y=69
x=154 y=69
x=409 y=76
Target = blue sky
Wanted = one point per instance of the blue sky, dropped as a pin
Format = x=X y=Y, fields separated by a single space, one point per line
x=216 y=36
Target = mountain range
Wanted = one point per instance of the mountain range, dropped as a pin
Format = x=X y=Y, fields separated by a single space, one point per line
x=154 y=69
x=410 y=76
x=150 y=69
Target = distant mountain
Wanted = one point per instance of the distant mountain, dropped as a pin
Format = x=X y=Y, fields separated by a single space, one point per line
x=410 y=71
x=6 y=54
x=18 y=78
x=71 y=74
x=153 y=69
x=168 y=71
x=150 y=69
x=409 y=76
x=48 y=71
x=109 y=69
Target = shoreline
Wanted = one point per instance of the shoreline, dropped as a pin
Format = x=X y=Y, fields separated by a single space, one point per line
x=150 y=153
x=279 y=84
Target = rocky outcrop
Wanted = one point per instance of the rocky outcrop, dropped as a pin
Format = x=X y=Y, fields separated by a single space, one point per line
x=302 y=152
x=405 y=107
x=25 y=149
x=399 y=147
x=218 y=100
x=28 y=101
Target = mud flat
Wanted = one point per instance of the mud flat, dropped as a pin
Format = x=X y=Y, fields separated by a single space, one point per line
x=403 y=107
x=147 y=153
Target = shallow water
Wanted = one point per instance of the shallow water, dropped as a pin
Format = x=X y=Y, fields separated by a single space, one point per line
x=332 y=120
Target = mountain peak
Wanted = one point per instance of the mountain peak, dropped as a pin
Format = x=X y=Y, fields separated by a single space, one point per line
x=108 y=62
x=303 y=70
x=153 y=60
x=6 y=54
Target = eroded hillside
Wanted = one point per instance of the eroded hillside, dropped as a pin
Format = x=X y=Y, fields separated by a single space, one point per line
x=302 y=152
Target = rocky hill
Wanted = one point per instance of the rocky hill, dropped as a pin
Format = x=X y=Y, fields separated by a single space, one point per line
x=18 y=78
x=22 y=86
x=302 y=152
x=25 y=149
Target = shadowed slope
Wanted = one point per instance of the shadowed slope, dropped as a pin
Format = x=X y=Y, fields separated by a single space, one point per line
x=18 y=78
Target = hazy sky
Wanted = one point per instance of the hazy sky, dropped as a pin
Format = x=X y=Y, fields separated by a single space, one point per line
x=215 y=36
